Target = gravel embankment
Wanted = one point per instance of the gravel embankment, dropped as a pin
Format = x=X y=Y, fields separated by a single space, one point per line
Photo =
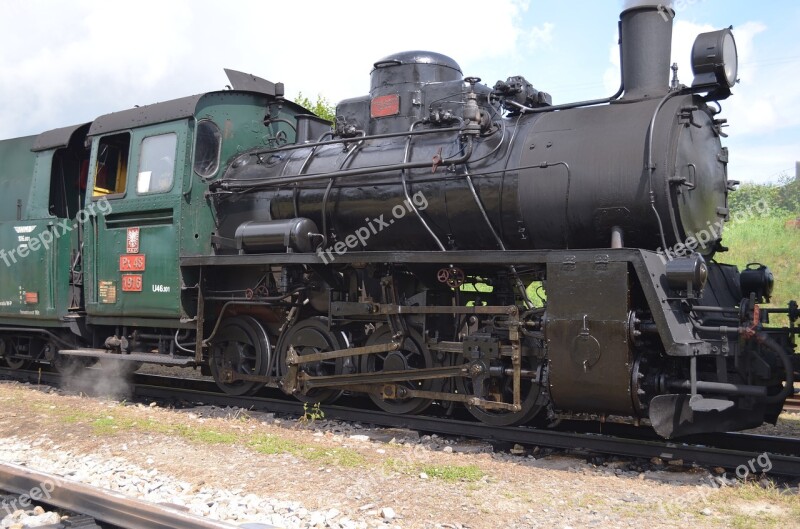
x=241 y=466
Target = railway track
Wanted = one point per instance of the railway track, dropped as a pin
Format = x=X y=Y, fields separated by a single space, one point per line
x=793 y=403
x=110 y=508
x=729 y=450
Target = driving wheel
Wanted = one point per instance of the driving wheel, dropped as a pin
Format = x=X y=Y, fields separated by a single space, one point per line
x=413 y=354
x=243 y=346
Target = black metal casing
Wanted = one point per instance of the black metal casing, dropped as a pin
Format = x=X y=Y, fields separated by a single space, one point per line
x=617 y=206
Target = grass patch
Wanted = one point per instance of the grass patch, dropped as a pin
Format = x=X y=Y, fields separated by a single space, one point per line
x=751 y=505
x=535 y=292
x=766 y=240
x=453 y=473
x=391 y=464
x=449 y=473
x=271 y=444
x=108 y=425
x=334 y=456
x=206 y=436
x=74 y=417
x=104 y=424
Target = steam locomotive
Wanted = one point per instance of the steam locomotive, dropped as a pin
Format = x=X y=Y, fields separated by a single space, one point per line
x=442 y=243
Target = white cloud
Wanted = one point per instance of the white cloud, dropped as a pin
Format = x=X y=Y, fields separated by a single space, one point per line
x=611 y=77
x=756 y=107
x=753 y=110
x=84 y=58
x=751 y=163
x=540 y=36
x=63 y=63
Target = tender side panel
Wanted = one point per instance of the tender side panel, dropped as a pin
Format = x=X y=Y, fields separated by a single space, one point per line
x=34 y=246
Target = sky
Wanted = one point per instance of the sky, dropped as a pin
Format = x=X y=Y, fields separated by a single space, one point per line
x=64 y=63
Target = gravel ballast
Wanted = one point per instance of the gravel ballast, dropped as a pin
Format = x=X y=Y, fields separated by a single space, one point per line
x=239 y=466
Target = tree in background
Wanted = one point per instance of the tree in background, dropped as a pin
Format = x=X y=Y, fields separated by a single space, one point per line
x=782 y=198
x=321 y=107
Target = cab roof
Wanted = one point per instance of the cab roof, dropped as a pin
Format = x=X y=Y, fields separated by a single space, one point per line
x=173 y=110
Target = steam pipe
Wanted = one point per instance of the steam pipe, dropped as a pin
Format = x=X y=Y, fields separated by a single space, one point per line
x=312 y=152
x=498 y=239
x=646 y=45
x=723 y=388
x=348 y=139
x=650 y=167
x=281 y=180
x=769 y=343
x=249 y=303
x=328 y=192
x=617 y=238
x=406 y=155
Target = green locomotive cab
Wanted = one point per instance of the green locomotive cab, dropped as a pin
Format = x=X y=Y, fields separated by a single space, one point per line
x=96 y=217
x=43 y=187
x=153 y=165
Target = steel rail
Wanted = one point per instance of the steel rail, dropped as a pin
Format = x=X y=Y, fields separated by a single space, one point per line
x=792 y=404
x=103 y=505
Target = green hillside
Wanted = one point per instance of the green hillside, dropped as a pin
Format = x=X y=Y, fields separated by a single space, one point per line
x=768 y=241
x=758 y=233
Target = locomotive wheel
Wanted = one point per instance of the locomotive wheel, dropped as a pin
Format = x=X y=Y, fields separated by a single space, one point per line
x=6 y=351
x=412 y=355
x=16 y=363
x=67 y=365
x=313 y=336
x=501 y=390
x=242 y=345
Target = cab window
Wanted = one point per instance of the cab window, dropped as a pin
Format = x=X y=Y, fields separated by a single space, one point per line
x=207 y=145
x=111 y=170
x=157 y=163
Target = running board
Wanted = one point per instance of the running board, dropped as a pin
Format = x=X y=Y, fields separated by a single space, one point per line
x=146 y=358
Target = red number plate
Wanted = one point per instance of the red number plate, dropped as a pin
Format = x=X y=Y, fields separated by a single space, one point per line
x=388 y=105
x=131 y=263
x=131 y=283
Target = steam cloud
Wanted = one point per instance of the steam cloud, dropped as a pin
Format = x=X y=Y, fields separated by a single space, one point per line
x=109 y=378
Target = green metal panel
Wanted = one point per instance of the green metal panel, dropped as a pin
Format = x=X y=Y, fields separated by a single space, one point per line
x=27 y=270
x=179 y=222
x=153 y=292
x=38 y=248
x=16 y=170
x=34 y=250
x=240 y=118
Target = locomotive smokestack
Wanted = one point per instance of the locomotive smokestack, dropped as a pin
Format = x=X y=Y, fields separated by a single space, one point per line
x=646 y=48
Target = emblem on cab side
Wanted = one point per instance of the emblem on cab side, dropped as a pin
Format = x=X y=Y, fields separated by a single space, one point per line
x=133 y=240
